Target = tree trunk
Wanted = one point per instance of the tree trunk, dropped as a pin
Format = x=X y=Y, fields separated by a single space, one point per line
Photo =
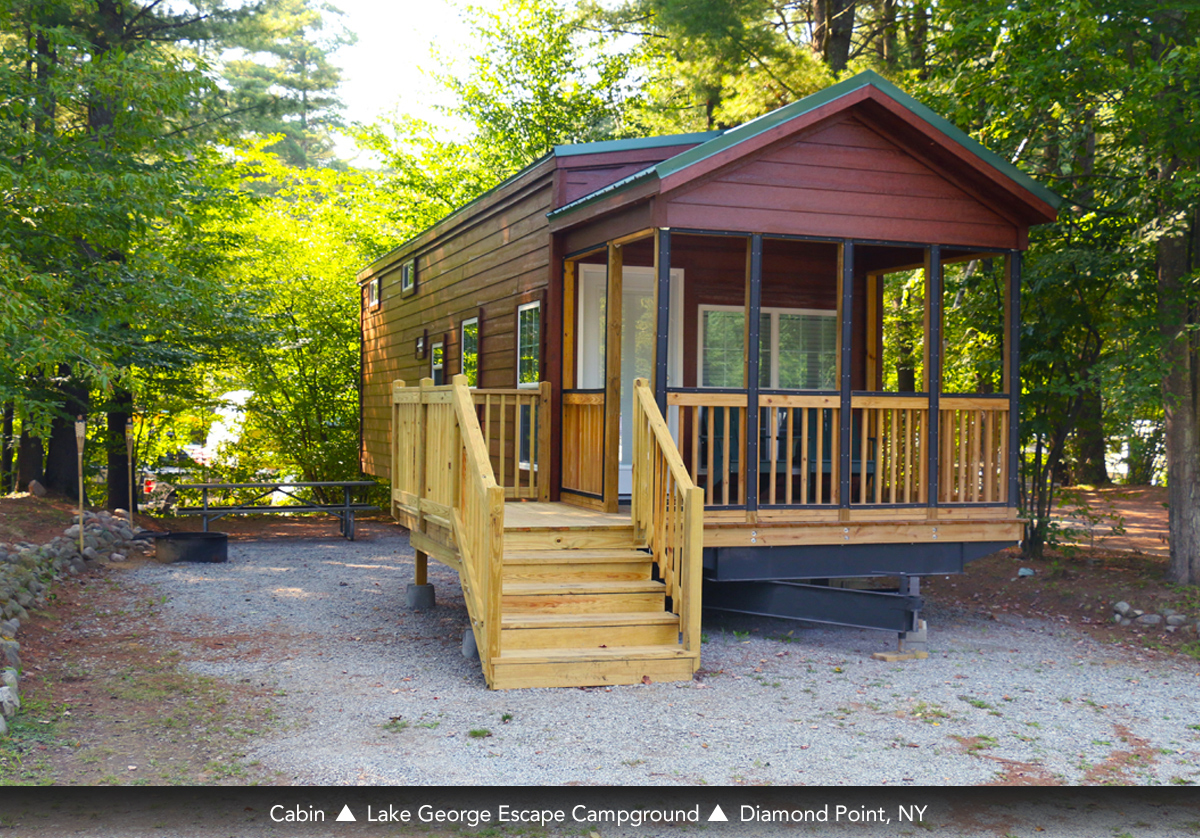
x=1089 y=435
x=833 y=26
x=62 y=473
x=889 y=45
x=1179 y=404
x=6 y=454
x=30 y=460
x=118 y=456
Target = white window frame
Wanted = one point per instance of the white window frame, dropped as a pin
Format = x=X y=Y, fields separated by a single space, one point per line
x=434 y=366
x=462 y=347
x=408 y=277
x=375 y=292
x=774 y=313
x=529 y=385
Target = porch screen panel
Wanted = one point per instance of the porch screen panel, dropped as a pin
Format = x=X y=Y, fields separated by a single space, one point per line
x=807 y=351
x=723 y=340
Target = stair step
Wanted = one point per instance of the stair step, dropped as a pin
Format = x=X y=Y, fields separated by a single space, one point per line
x=624 y=572
x=567 y=587
x=569 y=538
x=645 y=653
x=535 y=621
x=560 y=556
x=518 y=673
x=584 y=603
x=557 y=630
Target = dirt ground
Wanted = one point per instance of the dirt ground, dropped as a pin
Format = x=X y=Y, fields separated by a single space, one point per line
x=105 y=703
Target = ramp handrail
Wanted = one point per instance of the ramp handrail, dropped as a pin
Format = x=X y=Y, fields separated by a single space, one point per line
x=444 y=489
x=668 y=512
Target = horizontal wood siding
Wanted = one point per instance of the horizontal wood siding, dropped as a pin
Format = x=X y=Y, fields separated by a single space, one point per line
x=845 y=180
x=484 y=267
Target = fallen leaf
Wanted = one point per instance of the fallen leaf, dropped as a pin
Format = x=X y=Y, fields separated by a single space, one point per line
x=645 y=679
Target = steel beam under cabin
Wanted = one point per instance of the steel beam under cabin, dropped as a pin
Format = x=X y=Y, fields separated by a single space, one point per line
x=843 y=561
x=883 y=611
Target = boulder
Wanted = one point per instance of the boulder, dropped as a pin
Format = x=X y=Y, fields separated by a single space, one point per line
x=10 y=703
x=1123 y=608
x=1149 y=620
x=37 y=489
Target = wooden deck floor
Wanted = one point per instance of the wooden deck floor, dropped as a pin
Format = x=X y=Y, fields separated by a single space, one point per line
x=530 y=514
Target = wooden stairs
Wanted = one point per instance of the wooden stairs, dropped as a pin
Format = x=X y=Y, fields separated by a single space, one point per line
x=580 y=607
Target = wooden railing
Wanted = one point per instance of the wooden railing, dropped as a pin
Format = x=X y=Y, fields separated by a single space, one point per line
x=973 y=461
x=890 y=449
x=443 y=489
x=668 y=512
x=515 y=424
x=583 y=441
x=712 y=430
x=798 y=449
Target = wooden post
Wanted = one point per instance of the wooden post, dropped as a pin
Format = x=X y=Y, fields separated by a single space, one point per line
x=129 y=466
x=612 y=379
x=422 y=560
x=80 y=435
x=543 y=452
x=933 y=368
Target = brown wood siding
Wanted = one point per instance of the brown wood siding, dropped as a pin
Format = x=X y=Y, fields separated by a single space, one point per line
x=842 y=179
x=583 y=174
x=485 y=267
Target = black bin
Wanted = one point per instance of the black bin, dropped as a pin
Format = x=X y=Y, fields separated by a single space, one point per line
x=192 y=547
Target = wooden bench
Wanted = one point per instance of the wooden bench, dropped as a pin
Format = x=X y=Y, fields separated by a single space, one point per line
x=343 y=511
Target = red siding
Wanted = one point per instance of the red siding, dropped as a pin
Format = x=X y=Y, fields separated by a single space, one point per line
x=843 y=179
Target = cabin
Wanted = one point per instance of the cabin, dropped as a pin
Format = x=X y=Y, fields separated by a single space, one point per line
x=771 y=370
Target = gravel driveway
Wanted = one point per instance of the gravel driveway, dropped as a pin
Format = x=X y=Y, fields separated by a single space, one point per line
x=371 y=693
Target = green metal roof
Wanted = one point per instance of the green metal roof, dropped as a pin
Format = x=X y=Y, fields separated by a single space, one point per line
x=634 y=144
x=727 y=139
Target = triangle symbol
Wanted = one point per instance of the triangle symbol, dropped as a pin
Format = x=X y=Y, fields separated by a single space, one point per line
x=346 y=814
x=717 y=815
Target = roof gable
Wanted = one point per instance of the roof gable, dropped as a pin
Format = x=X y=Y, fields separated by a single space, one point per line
x=943 y=143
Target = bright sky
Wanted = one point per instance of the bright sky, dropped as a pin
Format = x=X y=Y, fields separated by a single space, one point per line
x=381 y=72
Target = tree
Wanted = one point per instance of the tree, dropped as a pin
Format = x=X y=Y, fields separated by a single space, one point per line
x=282 y=80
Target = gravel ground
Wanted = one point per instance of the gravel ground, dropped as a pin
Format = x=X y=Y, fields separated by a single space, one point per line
x=776 y=702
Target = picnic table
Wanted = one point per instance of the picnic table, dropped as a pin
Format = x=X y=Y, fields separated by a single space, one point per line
x=343 y=511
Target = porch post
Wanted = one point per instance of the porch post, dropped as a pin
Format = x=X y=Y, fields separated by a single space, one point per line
x=846 y=311
x=933 y=365
x=612 y=379
x=754 y=293
x=662 y=272
x=1014 y=376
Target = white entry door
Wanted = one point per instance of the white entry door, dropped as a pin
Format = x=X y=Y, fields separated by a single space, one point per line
x=638 y=321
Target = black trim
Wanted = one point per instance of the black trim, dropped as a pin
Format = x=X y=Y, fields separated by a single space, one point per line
x=933 y=339
x=845 y=419
x=662 y=337
x=1014 y=378
x=752 y=364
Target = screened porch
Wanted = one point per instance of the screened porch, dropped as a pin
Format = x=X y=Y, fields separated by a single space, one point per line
x=798 y=376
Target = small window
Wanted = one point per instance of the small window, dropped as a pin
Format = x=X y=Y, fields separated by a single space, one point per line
x=408 y=277
x=470 y=351
x=375 y=292
x=437 y=357
x=529 y=344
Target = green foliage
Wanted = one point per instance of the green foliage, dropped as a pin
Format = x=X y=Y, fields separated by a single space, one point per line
x=281 y=78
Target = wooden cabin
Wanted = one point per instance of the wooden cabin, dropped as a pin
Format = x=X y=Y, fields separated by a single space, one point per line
x=735 y=369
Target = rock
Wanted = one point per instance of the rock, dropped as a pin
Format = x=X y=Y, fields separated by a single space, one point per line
x=1125 y=621
x=1025 y=571
x=1135 y=613
x=9 y=628
x=9 y=678
x=1123 y=608
x=1149 y=619
x=11 y=651
x=3 y=727
x=90 y=554
x=37 y=489
x=1117 y=618
x=1176 y=619
x=117 y=557
x=1168 y=612
x=10 y=703
x=1172 y=629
